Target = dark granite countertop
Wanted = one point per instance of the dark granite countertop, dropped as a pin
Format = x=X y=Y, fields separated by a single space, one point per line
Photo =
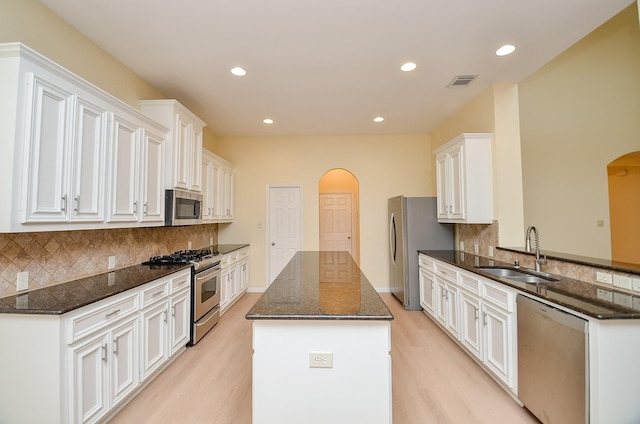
x=320 y=286
x=65 y=297
x=225 y=249
x=576 y=295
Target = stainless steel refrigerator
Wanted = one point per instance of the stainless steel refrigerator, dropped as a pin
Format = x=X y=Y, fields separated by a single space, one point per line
x=413 y=226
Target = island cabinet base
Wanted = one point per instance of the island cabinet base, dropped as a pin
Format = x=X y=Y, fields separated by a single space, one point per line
x=356 y=389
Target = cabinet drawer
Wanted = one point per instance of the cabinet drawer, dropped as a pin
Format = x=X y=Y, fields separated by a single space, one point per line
x=243 y=253
x=499 y=296
x=94 y=318
x=181 y=282
x=154 y=293
x=470 y=283
x=425 y=262
x=446 y=271
x=229 y=259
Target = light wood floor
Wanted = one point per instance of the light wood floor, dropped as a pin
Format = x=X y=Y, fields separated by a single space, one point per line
x=434 y=381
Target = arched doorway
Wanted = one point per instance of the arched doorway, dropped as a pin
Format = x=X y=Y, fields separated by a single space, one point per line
x=339 y=201
x=624 y=204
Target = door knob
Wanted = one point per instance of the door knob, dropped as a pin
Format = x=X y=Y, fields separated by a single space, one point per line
x=273 y=244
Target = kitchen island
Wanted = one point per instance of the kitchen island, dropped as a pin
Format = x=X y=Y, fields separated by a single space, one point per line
x=321 y=341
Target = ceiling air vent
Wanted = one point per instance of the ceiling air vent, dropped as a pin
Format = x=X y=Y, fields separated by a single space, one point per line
x=462 y=80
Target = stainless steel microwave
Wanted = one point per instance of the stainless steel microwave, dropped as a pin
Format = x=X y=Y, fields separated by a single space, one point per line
x=182 y=207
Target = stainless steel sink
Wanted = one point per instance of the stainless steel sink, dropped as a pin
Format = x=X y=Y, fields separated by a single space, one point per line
x=516 y=274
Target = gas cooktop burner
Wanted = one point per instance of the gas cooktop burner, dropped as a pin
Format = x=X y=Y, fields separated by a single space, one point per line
x=183 y=257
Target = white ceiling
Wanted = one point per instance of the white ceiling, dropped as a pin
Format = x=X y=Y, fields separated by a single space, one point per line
x=325 y=67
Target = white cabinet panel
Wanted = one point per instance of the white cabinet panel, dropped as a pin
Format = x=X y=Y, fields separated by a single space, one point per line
x=153 y=178
x=217 y=188
x=89 y=380
x=184 y=142
x=46 y=152
x=464 y=180
x=88 y=162
x=154 y=338
x=124 y=171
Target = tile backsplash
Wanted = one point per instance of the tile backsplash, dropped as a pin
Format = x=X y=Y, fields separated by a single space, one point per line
x=487 y=235
x=60 y=256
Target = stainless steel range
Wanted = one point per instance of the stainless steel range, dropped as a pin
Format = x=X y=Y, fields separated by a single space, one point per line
x=205 y=287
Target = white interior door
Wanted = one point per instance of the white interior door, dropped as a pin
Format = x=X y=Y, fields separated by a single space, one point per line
x=336 y=222
x=285 y=227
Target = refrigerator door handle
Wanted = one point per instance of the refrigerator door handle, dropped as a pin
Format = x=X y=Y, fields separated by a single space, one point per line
x=392 y=237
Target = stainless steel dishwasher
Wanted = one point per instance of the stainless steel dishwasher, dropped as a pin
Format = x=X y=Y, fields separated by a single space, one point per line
x=553 y=377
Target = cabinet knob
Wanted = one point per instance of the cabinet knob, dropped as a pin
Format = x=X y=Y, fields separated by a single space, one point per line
x=273 y=244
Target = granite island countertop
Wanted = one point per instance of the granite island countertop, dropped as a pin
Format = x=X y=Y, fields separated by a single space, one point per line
x=61 y=298
x=580 y=296
x=320 y=286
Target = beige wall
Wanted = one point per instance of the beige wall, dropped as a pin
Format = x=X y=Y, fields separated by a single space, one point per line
x=578 y=113
x=385 y=166
x=494 y=111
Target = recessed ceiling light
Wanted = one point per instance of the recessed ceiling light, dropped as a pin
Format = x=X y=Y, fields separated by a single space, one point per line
x=505 y=50
x=268 y=121
x=409 y=66
x=238 y=71
x=378 y=119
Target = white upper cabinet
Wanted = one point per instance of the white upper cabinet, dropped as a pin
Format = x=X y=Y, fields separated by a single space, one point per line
x=184 y=142
x=464 y=180
x=217 y=188
x=74 y=157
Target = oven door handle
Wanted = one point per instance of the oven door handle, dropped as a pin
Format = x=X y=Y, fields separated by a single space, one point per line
x=205 y=275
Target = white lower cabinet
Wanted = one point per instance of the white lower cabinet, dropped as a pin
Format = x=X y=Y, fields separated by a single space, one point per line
x=117 y=344
x=105 y=371
x=477 y=312
x=446 y=302
x=427 y=290
x=234 y=277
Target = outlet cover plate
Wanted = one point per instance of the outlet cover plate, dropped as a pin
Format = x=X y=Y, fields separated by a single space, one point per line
x=22 y=281
x=320 y=359
x=622 y=282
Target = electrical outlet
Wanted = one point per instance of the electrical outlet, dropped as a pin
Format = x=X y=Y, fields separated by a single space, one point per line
x=461 y=246
x=112 y=262
x=211 y=241
x=635 y=284
x=622 y=282
x=491 y=251
x=476 y=249
x=603 y=277
x=22 y=281
x=189 y=246
x=320 y=359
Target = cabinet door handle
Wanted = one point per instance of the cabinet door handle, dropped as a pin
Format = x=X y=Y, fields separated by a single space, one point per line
x=173 y=311
x=110 y=314
x=145 y=207
x=157 y=293
x=477 y=314
x=104 y=352
x=115 y=346
x=164 y=313
x=484 y=318
x=135 y=207
x=63 y=206
x=77 y=203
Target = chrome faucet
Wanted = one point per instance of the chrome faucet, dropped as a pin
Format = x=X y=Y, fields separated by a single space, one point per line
x=539 y=261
